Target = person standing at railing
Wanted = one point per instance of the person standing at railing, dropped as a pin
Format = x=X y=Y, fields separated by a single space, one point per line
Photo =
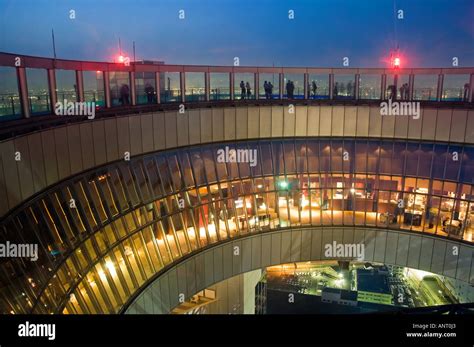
x=290 y=87
x=149 y=91
x=242 y=90
x=314 y=87
x=249 y=90
x=125 y=94
x=265 y=86
x=466 y=92
x=270 y=90
x=402 y=92
x=392 y=92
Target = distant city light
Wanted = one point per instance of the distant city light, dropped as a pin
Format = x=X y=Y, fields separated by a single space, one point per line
x=283 y=184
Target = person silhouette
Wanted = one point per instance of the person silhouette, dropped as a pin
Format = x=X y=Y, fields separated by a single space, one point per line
x=391 y=91
x=270 y=90
x=290 y=87
x=242 y=90
x=125 y=94
x=466 y=92
x=249 y=90
x=402 y=92
x=149 y=91
x=407 y=90
x=265 y=87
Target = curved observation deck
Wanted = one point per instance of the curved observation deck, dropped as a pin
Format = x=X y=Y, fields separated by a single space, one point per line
x=333 y=169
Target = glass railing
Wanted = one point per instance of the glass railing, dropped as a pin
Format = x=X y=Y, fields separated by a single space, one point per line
x=432 y=85
x=170 y=95
x=219 y=94
x=95 y=96
x=195 y=94
x=10 y=106
x=39 y=104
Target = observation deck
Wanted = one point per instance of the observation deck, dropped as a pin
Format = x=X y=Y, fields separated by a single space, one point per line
x=330 y=167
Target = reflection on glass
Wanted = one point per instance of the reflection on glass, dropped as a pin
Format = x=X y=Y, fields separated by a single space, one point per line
x=344 y=87
x=38 y=91
x=120 y=88
x=10 y=105
x=195 y=86
x=219 y=86
x=145 y=83
x=94 y=87
x=369 y=87
x=66 y=88
x=425 y=87
x=171 y=91
x=456 y=88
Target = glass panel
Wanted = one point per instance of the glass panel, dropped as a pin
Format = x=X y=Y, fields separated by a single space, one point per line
x=397 y=84
x=171 y=91
x=38 y=91
x=145 y=87
x=94 y=87
x=452 y=163
x=424 y=165
x=344 y=86
x=269 y=87
x=369 y=87
x=220 y=86
x=244 y=86
x=425 y=87
x=119 y=88
x=66 y=88
x=10 y=106
x=439 y=160
x=319 y=86
x=467 y=168
x=455 y=88
x=412 y=159
x=293 y=86
x=195 y=86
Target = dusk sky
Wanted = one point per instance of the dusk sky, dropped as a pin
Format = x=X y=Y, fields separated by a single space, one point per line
x=257 y=31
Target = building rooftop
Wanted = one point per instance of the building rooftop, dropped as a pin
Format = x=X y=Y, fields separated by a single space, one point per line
x=372 y=281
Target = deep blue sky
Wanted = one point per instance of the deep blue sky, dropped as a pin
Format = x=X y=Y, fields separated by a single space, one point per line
x=257 y=31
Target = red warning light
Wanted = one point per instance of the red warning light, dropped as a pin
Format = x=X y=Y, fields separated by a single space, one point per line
x=396 y=62
x=121 y=59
